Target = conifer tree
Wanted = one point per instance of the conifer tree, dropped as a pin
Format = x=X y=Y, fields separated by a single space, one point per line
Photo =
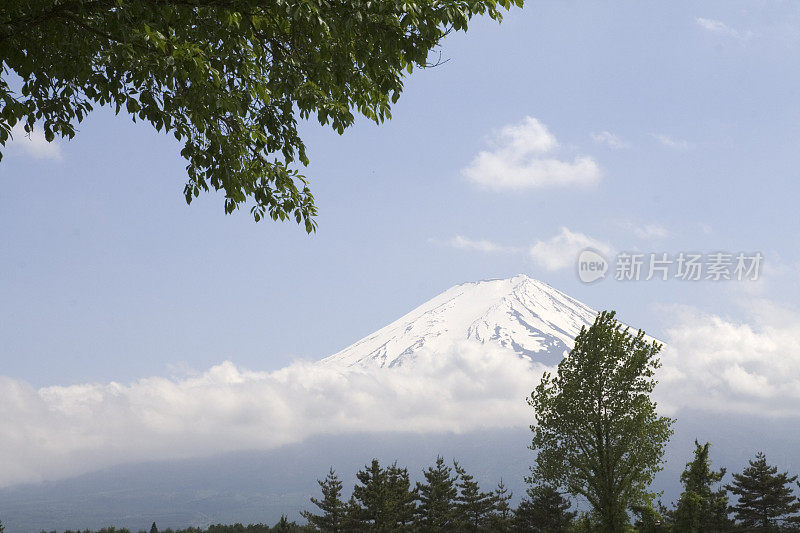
x=333 y=509
x=544 y=510
x=371 y=497
x=701 y=509
x=352 y=512
x=502 y=519
x=765 y=497
x=401 y=500
x=383 y=500
x=153 y=528
x=473 y=507
x=436 y=509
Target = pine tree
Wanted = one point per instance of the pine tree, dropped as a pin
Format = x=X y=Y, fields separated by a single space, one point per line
x=401 y=500
x=502 y=519
x=352 y=520
x=436 y=510
x=473 y=507
x=765 y=498
x=333 y=509
x=701 y=509
x=153 y=528
x=544 y=510
x=383 y=499
x=371 y=497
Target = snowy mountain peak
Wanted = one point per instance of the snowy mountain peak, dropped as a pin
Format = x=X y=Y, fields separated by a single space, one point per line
x=522 y=314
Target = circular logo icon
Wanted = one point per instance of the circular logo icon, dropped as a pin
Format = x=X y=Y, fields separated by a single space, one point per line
x=592 y=266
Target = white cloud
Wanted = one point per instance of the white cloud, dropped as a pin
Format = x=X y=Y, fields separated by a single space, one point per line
x=522 y=158
x=56 y=432
x=716 y=364
x=720 y=28
x=609 y=139
x=671 y=142
x=464 y=243
x=561 y=251
x=33 y=144
x=648 y=231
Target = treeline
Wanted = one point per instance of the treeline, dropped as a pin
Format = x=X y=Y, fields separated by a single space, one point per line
x=383 y=499
x=450 y=499
x=282 y=526
x=760 y=499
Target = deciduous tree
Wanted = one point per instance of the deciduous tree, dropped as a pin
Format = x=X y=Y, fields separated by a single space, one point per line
x=597 y=433
x=228 y=78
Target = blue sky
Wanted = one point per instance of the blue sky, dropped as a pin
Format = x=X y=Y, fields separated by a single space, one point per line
x=107 y=275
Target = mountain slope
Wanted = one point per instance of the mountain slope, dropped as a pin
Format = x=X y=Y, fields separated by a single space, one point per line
x=522 y=314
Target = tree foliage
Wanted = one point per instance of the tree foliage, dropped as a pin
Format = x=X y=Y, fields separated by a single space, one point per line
x=701 y=508
x=401 y=498
x=765 y=496
x=648 y=519
x=544 y=510
x=283 y=525
x=597 y=432
x=228 y=78
x=436 y=510
x=473 y=506
x=332 y=518
x=502 y=518
x=383 y=499
x=449 y=499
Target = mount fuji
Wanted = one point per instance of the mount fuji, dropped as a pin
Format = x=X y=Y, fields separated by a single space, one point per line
x=521 y=314
x=411 y=415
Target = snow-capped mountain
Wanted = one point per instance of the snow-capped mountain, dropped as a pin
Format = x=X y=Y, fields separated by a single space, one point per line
x=525 y=315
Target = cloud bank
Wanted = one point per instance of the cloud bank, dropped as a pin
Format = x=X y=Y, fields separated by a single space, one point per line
x=709 y=363
x=56 y=432
x=522 y=157
x=722 y=365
